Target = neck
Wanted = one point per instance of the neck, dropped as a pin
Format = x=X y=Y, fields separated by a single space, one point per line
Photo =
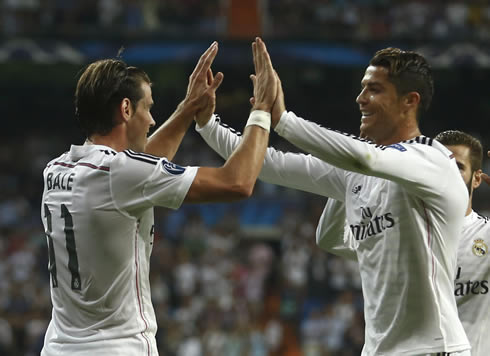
x=115 y=139
x=468 y=210
x=400 y=136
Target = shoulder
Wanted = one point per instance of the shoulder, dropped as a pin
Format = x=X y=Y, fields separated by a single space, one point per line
x=60 y=158
x=439 y=157
x=427 y=145
x=476 y=220
x=137 y=158
x=141 y=165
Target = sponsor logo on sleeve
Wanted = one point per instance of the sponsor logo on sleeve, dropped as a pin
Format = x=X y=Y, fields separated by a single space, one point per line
x=356 y=189
x=172 y=168
x=398 y=147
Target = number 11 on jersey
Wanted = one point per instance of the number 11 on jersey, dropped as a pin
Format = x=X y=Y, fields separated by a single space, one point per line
x=76 y=283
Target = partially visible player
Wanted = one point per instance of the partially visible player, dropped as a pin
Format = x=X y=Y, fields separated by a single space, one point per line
x=473 y=271
x=98 y=199
x=405 y=219
x=473 y=267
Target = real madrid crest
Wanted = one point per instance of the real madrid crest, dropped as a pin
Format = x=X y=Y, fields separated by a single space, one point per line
x=480 y=248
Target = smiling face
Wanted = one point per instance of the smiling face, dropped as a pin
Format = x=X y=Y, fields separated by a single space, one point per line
x=381 y=107
x=140 y=121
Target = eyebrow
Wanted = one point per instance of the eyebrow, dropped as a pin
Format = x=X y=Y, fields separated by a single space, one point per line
x=370 y=84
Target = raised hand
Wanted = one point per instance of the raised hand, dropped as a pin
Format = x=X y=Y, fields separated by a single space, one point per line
x=264 y=79
x=199 y=104
x=201 y=91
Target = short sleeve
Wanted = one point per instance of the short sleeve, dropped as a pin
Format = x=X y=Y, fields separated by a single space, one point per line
x=140 y=181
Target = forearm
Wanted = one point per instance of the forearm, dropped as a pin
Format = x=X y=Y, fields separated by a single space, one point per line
x=244 y=164
x=165 y=141
x=420 y=168
x=236 y=178
x=333 y=147
x=291 y=170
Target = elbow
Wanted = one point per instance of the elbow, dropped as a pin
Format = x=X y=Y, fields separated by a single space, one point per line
x=242 y=190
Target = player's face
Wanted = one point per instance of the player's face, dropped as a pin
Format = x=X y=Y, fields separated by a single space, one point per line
x=380 y=106
x=463 y=159
x=141 y=121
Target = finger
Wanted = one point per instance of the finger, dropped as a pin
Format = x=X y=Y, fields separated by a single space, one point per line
x=218 y=79
x=253 y=78
x=208 y=61
x=202 y=60
x=254 y=54
x=209 y=76
x=266 y=60
x=260 y=54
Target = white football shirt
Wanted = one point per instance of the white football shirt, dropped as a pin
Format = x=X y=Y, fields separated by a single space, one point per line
x=405 y=204
x=473 y=267
x=471 y=284
x=97 y=210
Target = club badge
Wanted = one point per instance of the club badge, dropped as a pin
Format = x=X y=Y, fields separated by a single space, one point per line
x=480 y=248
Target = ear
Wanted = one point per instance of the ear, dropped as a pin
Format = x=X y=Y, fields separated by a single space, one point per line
x=412 y=99
x=125 y=109
x=477 y=178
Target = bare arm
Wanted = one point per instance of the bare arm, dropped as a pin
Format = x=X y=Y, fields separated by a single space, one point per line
x=200 y=98
x=236 y=178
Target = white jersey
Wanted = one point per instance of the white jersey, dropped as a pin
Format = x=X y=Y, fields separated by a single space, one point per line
x=473 y=267
x=471 y=284
x=405 y=205
x=97 y=211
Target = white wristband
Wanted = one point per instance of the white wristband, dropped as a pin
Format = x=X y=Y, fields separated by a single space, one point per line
x=260 y=118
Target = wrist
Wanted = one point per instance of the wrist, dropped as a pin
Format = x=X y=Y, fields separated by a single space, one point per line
x=260 y=118
x=188 y=106
x=262 y=107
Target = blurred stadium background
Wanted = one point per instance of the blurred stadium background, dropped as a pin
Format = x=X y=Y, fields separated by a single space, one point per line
x=227 y=279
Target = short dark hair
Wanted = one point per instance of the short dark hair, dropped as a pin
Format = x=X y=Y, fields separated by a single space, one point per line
x=408 y=71
x=100 y=89
x=454 y=137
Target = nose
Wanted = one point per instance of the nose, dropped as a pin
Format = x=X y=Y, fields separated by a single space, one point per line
x=152 y=122
x=361 y=98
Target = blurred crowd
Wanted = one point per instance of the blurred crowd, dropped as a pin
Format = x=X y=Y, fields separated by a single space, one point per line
x=338 y=19
x=228 y=279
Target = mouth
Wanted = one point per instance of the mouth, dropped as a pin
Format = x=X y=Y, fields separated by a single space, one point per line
x=365 y=115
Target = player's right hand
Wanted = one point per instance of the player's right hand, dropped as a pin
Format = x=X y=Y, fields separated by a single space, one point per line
x=264 y=80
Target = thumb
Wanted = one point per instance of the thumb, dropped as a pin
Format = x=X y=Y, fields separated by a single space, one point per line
x=253 y=78
x=218 y=79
